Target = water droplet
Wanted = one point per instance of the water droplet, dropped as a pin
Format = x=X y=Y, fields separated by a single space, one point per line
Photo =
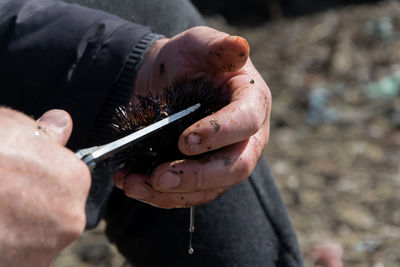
x=191 y=230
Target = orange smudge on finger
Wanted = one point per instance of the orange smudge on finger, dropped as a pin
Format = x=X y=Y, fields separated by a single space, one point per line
x=242 y=41
x=243 y=44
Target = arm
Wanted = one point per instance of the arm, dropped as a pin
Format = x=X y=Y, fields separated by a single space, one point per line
x=87 y=83
x=43 y=188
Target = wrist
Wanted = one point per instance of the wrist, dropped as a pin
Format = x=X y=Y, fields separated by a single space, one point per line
x=152 y=53
x=146 y=67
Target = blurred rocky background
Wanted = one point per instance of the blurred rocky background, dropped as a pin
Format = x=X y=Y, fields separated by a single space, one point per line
x=334 y=71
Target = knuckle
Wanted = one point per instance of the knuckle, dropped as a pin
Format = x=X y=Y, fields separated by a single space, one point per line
x=81 y=175
x=79 y=225
x=74 y=228
x=250 y=118
x=244 y=169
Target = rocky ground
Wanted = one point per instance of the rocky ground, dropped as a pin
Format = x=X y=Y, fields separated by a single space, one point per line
x=335 y=139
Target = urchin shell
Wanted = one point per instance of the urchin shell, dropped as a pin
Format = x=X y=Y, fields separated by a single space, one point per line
x=162 y=146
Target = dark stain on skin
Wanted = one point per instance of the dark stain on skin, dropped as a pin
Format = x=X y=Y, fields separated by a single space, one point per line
x=181 y=172
x=174 y=172
x=204 y=160
x=227 y=161
x=229 y=67
x=216 y=125
x=209 y=147
x=162 y=69
x=182 y=198
x=218 y=55
x=251 y=81
x=242 y=54
x=173 y=166
x=40 y=128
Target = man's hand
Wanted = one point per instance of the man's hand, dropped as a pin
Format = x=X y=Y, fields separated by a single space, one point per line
x=243 y=125
x=43 y=188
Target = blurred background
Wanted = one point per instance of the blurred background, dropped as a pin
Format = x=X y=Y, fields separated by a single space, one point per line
x=333 y=67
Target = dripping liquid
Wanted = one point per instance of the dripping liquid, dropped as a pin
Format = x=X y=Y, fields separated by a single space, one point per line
x=191 y=230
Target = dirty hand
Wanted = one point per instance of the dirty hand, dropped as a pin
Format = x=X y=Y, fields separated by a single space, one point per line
x=236 y=134
x=43 y=188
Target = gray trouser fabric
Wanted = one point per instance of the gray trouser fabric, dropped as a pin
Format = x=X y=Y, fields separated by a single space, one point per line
x=167 y=17
x=248 y=226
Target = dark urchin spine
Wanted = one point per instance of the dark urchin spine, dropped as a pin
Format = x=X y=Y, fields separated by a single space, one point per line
x=162 y=146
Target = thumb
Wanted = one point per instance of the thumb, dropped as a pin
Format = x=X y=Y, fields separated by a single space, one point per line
x=58 y=124
x=227 y=54
x=216 y=51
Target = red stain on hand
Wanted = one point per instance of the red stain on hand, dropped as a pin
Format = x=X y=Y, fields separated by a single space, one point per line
x=229 y=54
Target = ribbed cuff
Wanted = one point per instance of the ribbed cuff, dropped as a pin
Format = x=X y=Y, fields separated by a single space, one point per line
x=121 y=92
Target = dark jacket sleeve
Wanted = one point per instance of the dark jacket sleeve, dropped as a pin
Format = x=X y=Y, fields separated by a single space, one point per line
x=58 y=55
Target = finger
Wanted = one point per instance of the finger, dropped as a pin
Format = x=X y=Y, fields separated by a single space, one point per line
x=137 y=187
x=58 y=124
x=227 y=54
x=212 y=51
x=248 y=111
x=196 y=54
x=119 y=177
x=226 y=167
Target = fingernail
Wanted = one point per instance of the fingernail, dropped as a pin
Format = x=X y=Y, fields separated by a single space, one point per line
x=140 y=191
x=193 y=139
x=169 y=180
x=57 y=118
